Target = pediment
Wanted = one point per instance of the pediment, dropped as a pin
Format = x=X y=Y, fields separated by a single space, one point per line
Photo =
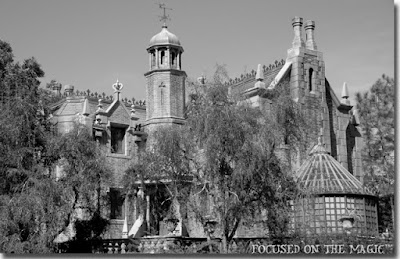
x=118 y=113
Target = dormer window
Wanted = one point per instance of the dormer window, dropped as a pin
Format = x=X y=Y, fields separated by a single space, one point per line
x=118 y=140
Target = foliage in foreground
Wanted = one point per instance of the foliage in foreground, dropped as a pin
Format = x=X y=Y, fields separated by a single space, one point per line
x=223 y=162
x=36 y=204
x=376 y=111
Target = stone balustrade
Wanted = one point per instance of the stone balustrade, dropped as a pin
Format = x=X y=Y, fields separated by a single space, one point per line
x=192 y=245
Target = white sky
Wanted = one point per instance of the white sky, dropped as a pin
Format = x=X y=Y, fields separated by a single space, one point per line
x=90 y=43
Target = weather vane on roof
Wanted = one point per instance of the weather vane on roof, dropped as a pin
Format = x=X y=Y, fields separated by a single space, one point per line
x=164 y=17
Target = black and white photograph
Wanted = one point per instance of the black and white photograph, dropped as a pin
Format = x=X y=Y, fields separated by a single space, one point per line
x=246 y=128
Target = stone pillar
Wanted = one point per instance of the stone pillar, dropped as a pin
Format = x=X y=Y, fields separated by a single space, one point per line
x=167 y=58
x=150 y=58
x=297 y=23
x=310 y=42
x=179 y=60
x=148 y=212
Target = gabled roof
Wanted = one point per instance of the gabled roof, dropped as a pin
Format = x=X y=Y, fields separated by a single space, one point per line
x=322 y=174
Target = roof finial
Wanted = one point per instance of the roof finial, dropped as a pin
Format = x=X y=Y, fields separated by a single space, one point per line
x=164 y=17
x=117 y=86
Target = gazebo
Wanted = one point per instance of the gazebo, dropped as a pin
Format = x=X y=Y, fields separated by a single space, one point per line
x=332 y=199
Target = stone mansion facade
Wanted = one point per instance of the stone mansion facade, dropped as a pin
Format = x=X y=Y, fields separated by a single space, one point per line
x=124 y=126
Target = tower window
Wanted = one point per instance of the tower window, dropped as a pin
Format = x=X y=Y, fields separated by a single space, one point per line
x=310 y=77
x=162 y=57
x=117 y=140
x=173 y=56
x=153 y=59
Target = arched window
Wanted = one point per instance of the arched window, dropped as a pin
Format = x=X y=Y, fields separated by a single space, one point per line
x=162 y=57
x=173 y=56
x=310 y=81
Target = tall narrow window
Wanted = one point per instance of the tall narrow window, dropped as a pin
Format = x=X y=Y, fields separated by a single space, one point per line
x=173 y=59
x=117 y=204
x=162 y=57
x=117 y=140
x=310 y=79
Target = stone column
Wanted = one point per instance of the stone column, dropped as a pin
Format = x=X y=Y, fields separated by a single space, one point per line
x=150 y=58
x=310 y=42
x=148 y=212
x=167 y=58
x=297 y=23
x=178 y=60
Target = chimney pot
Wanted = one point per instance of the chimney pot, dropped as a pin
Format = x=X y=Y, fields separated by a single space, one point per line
x=297 y=23
x=310 y=42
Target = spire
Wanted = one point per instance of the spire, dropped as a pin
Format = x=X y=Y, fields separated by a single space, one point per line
x=260 y=74
x=125 y=229
x=345 y=95
x=259 y=77
x=345 y=91
x=85 y=111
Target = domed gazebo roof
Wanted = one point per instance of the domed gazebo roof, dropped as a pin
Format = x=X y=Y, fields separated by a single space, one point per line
x=164 y=38
x=322 y=174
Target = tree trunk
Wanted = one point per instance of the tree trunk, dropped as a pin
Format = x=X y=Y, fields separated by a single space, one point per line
x=392 y=205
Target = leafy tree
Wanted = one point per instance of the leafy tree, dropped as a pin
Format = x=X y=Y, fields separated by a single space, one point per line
x=226 y=154
x=35 y=205
x=239 y=146
x=376 y=112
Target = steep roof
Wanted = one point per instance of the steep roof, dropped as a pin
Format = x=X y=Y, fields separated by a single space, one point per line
x=322 y=174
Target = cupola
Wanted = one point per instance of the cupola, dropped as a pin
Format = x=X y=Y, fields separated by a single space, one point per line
x=165 y=51
x=164 y=38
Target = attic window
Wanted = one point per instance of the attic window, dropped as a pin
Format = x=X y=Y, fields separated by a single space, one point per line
x=118 y=140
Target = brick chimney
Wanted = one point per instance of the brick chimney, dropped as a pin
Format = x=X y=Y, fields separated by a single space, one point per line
x=297 y=23
x=310 y=42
